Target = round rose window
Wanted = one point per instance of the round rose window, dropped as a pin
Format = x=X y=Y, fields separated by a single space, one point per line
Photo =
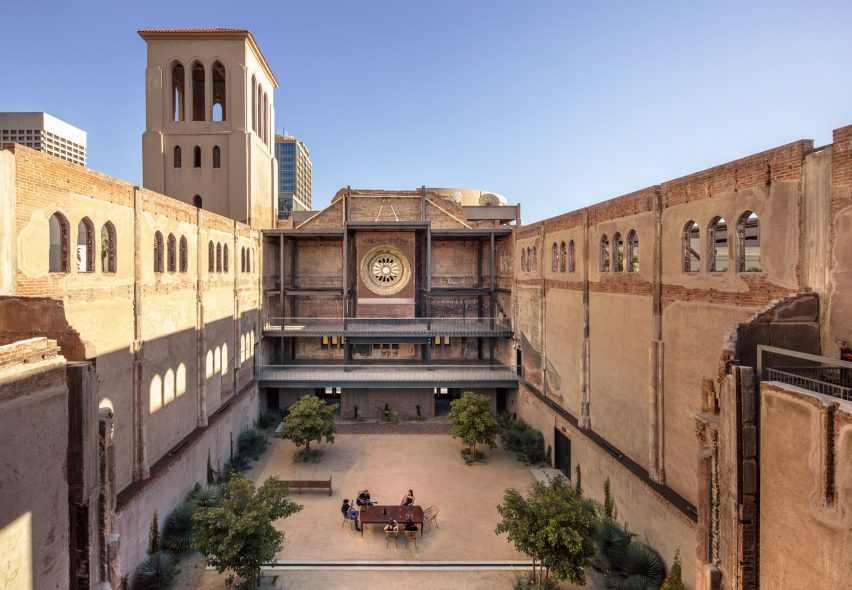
x=385 y=270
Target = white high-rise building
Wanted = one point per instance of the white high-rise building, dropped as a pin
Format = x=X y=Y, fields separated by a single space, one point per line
x=45 y=133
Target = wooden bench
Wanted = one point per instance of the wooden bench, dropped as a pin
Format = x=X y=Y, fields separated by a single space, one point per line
x=300 y=484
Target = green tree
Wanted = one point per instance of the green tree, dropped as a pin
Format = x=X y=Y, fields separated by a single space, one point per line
x=471 y=420
x=554 y=526
x=310 y=419
x=237 y=533
x=153 y=535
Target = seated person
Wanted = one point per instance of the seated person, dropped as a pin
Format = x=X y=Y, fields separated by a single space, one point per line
x=392 y=526
x=407 y=499
x=363 y=498
x=351 y=513
x=409 y=525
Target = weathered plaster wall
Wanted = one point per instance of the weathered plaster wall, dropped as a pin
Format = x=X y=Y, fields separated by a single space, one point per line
x=806 y=489
x=33 y=486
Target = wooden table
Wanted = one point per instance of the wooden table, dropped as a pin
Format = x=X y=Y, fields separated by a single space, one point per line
x=382 y=515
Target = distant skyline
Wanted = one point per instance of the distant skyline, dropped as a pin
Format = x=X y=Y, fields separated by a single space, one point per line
x=555 y=105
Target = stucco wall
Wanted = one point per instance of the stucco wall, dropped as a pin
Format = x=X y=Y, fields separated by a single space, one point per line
x=805 y=532
x=33 y=486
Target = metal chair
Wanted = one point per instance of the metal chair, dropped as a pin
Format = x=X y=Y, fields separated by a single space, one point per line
x=391 y=535
x=350 y=519
x=411 y=536
x=430 y=515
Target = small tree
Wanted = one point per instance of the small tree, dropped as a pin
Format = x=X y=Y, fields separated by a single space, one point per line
x=153 y=535
x=673 y=581
x=610 y=511
x=237 y=533
x=211 y=473
x=553 y=526
x=310 y=419
x=471 y=420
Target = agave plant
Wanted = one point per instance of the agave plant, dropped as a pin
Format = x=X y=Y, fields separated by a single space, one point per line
x=177 y=532
x=612 y=542
x=643 y=565
x=206 y=496
x=237 y=463
x=157 y=572
x=252 y=442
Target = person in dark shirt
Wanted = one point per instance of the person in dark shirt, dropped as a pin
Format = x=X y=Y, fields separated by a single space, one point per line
x=410 y=526
x=407 y=499
x=351 y=512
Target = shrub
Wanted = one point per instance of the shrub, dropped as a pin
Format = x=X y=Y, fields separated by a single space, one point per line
x=673 y=580
x=612 y=542
x=609 y=502
x=521 y=438
x=153 y=536
x=251 y=442
x=268 y=420
x=177 y=531
x=207 y=496
x=157 y=572
x=471 y=458
x=643 y=565
x=236 y=464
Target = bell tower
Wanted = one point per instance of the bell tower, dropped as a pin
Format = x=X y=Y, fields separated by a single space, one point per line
x=209 y=121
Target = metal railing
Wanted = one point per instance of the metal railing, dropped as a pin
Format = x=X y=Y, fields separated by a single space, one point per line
x=436 y=325
x=356 y=372
x=812 y=372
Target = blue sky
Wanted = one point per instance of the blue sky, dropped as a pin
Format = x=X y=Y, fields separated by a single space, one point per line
x=554 y=104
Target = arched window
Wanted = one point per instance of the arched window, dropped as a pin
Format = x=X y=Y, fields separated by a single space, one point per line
x=85 y=246
x=172 y=253
x=265 y=119
x=184 y=254
x=176 y=156
x=242 y=260
x=554 y=257
x=748 y=243
x=217 y=157
x=225 y=258
x=249 y=258
x=571 y=256
x=254 y=103
x=196 y=157
x=562 y=256
x=198 y=92
x=691 y=246
x=632 y=251
x=210 y=256
x=178 y=85
x=524 y=259
x=717 y=245
x=158 y=252
x=196 y=201
x=58 y=255
x=605 y=261
x=534 y=258
x=108 y=247
x=218 y=257
x=218 y=92
x=617 y=253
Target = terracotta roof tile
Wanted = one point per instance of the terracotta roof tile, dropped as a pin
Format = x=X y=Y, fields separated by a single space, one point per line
x=208 y=30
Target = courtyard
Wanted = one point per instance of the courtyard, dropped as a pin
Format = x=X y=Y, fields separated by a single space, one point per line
x=462 y=551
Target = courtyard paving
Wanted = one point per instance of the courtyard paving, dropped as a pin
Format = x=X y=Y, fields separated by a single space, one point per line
x=388 y=465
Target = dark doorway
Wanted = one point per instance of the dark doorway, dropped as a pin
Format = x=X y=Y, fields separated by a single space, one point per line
x=519 y=362
x=562 y=458
x=501 y=401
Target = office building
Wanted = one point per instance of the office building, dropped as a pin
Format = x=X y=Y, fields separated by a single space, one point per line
x=294 y=175
x=46 y=133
